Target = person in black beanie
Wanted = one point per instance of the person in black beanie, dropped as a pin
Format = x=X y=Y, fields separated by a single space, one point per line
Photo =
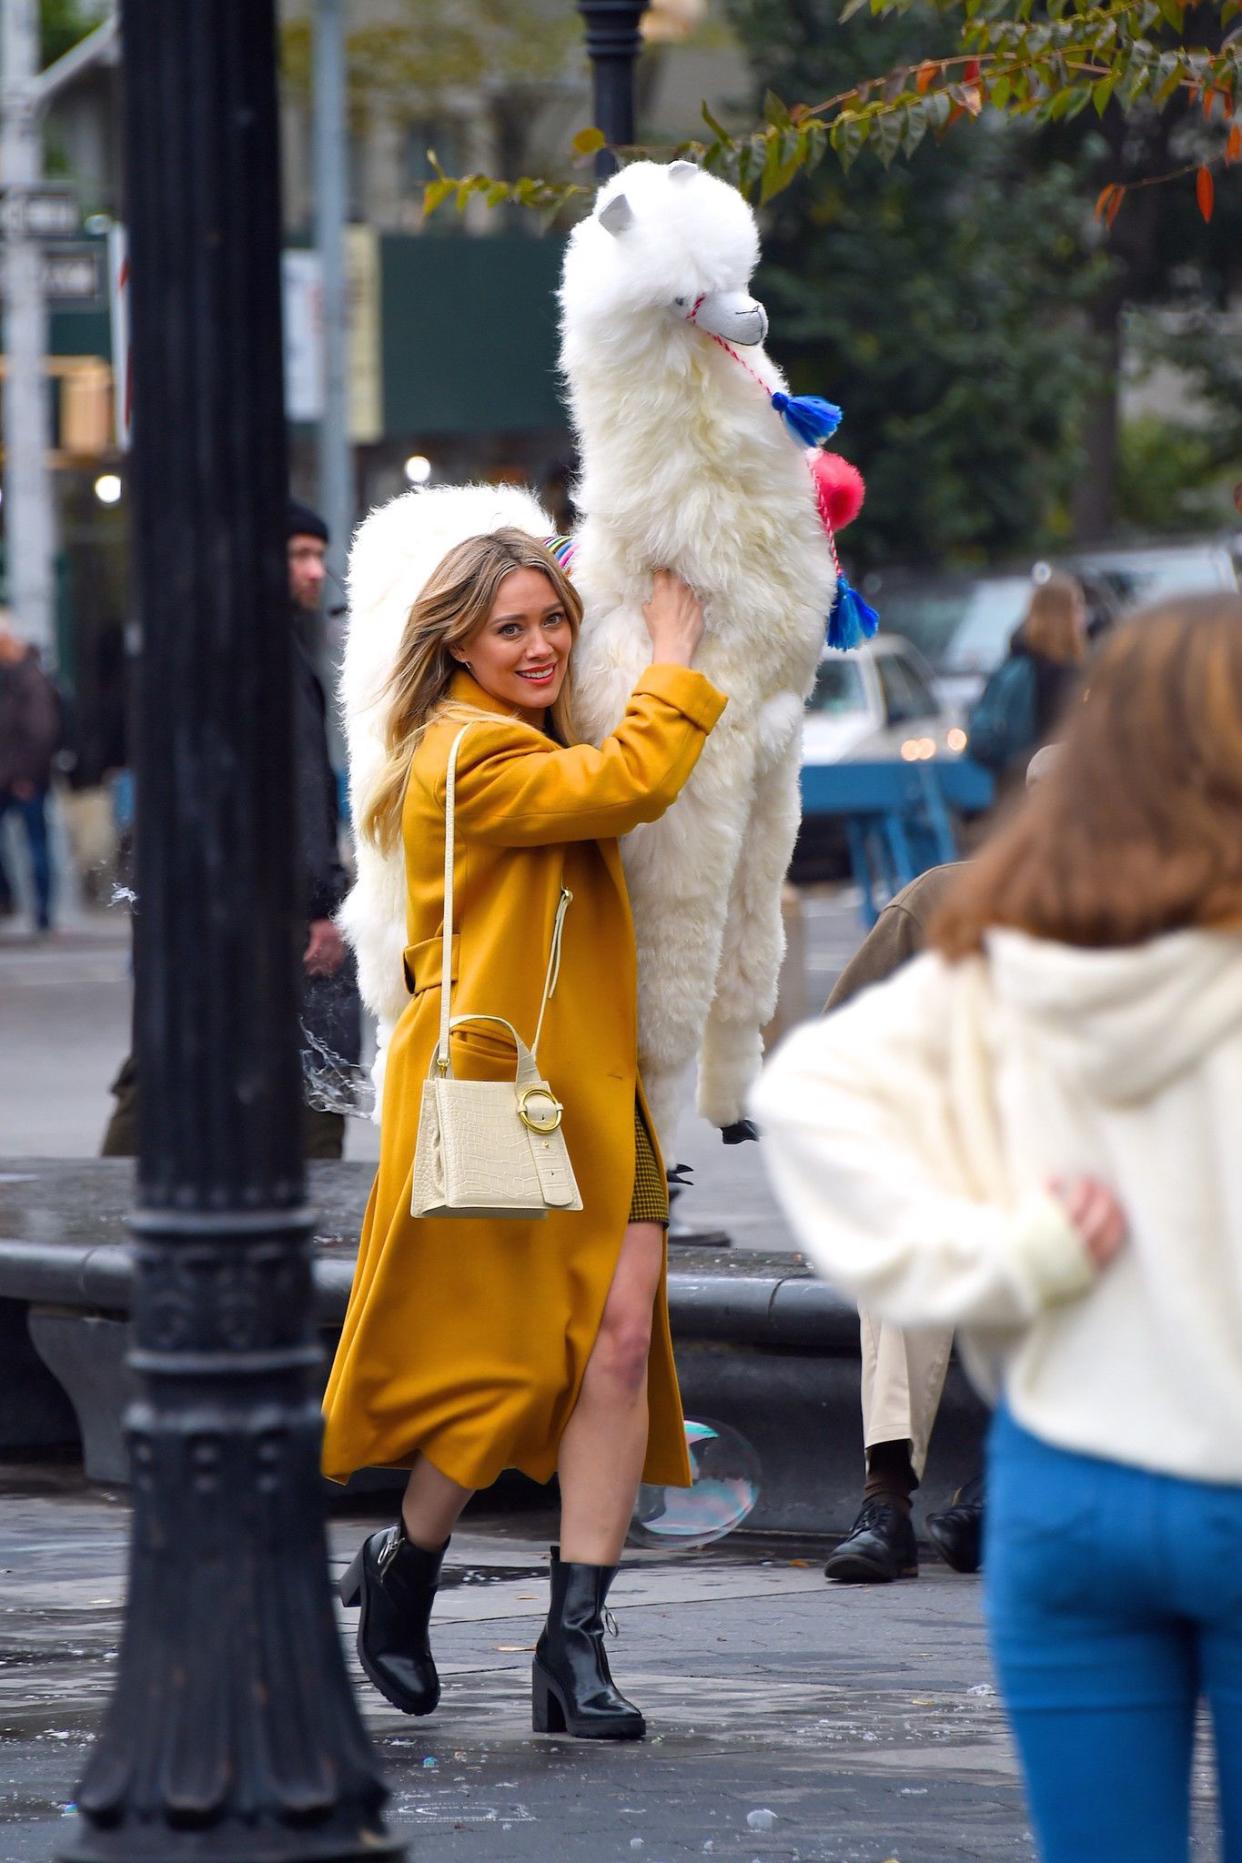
x=331 y=1010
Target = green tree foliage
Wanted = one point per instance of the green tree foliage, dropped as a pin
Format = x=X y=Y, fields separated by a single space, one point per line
x=936 y=300
x=982 y=59
x=426 y=51
x=62 y=23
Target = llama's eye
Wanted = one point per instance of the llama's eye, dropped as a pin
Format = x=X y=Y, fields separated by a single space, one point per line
x=681 y=303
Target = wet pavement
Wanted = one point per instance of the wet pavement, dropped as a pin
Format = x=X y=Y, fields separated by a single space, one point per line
x=814 y=1725
x=790 y=1721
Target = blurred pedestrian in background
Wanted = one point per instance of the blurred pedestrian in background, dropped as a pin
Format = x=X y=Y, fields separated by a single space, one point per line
x=331 y=1010
x=1054 y=1085
x=30 y=735
x=1026 y=697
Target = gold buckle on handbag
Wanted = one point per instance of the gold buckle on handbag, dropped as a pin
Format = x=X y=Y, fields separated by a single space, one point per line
x=530 y=1120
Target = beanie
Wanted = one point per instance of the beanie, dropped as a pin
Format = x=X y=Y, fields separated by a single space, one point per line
x=303 y=522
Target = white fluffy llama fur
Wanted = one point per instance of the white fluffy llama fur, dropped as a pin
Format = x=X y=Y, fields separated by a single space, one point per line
x=685 y=465
x=394 y=552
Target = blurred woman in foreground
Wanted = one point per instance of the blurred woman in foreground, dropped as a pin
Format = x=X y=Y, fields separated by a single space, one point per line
x=1033 y=1131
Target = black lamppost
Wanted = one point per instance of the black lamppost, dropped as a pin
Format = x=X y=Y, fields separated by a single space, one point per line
x=232 y=1732
x=613 y=42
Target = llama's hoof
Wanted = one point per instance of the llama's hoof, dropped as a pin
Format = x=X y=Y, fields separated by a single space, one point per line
x=739 y=1132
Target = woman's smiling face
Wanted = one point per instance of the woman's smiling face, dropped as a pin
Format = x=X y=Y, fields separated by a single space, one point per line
x=520 y=653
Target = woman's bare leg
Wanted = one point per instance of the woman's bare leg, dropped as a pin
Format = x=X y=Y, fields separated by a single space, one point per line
x=430 y=1505
x=605 y=1441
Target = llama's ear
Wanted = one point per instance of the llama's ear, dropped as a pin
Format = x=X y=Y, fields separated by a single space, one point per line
x=682 y=171
x=617 y=217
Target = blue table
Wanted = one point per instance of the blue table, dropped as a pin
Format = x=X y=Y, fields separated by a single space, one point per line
x=898 y=817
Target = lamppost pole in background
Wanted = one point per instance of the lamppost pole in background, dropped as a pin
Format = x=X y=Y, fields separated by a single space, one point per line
x=28 y=516
x=336 y=492
x=613 y=42
x=232 y=1732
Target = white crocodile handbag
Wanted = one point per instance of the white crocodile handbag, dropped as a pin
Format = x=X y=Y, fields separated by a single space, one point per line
x=489 y=1147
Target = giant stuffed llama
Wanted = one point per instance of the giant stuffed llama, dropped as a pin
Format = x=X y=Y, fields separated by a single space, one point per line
x=688 y=463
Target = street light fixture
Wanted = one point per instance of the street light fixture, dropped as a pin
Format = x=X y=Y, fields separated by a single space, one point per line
x=233 y=1732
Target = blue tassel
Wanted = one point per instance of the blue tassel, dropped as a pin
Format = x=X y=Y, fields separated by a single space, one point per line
x=809 y=418
x=852 y=620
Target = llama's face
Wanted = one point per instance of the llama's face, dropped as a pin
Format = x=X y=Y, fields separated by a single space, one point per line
x=733 y=315
x=666 y=247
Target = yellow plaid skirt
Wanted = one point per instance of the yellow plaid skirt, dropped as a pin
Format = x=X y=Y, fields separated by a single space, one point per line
x=649 y=1204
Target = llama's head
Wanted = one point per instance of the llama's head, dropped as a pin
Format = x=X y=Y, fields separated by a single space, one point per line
x=665 y=246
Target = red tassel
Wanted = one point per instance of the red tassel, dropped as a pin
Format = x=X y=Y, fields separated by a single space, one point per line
x=839 y=488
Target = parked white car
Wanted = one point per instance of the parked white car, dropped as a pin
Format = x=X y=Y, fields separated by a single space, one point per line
x=1140 y=576
x=877 y=703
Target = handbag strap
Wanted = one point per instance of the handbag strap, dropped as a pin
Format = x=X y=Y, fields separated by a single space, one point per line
x=552 y=975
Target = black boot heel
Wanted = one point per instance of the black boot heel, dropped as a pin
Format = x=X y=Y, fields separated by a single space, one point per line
x=572 y=1689
x=547 y=1713
x=349 y=1588
x=395 y=1582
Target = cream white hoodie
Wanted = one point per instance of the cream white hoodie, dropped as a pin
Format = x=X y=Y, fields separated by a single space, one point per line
x=911 y=1137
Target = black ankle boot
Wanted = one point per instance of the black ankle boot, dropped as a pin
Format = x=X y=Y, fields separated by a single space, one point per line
x=572 y=1690
x=395 y=1583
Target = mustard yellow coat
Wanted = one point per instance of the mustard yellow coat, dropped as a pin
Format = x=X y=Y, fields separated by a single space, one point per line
x=466 y=1340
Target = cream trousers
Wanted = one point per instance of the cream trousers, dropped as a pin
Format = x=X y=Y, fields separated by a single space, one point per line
x=903 y=1375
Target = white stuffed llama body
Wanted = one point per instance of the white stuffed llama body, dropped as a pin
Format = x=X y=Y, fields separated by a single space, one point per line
x=687 y=466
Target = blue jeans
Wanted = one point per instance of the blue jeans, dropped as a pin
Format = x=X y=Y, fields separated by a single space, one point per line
x=1114 y=1605
x=32 y=813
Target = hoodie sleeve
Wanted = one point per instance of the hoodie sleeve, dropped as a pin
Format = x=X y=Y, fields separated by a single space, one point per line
x=872 y=1168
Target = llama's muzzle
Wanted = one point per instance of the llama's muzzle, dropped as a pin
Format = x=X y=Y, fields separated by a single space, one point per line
x=733 y=315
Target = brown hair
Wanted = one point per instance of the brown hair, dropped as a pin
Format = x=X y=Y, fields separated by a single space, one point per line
x=1055 y=623
x=454 y=604
x=1137 y=828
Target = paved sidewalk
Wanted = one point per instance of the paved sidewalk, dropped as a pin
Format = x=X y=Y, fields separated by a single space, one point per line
x=791 y=1721
x=848 y=1716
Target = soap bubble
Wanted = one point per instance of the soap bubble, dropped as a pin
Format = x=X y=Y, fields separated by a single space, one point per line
x=724 y=1492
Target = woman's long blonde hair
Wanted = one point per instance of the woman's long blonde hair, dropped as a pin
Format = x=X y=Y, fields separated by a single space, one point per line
x=455 y=602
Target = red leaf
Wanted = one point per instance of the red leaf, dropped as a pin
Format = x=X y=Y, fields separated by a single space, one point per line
x=971 y=72
x=922 y=82
x=1205 y=192
x=1114 y=206
x=1104 y=199
x=1233 y=147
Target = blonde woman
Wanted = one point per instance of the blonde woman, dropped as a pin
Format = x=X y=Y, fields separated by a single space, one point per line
x=470 y=1347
